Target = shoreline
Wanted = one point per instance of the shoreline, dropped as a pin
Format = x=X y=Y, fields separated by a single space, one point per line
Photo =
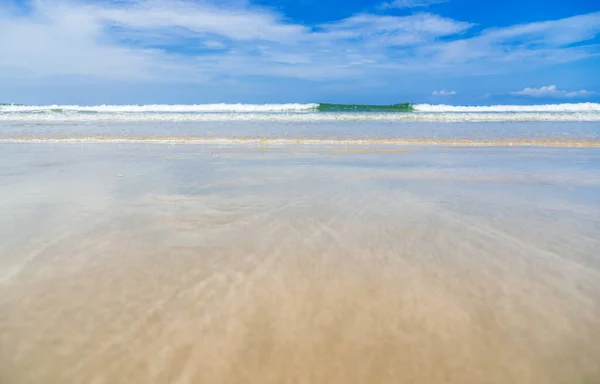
x=252 y=142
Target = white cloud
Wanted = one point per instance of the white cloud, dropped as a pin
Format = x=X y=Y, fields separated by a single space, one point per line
x=58 y=40
x=551 y=91
x=522 y=46
x=410 y=3
x=142 y=40
x=213 y=44
x=392 y=30
x=184 y=41
x=443 y=92
x=202 y=18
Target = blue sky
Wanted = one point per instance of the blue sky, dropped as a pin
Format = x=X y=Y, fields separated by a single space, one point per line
x=257 y=51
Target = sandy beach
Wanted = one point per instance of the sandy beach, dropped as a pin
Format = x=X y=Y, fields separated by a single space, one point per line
x=192 y=264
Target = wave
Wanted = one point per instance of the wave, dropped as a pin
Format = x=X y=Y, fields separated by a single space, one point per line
x=268 y=141
x=441 y=117
x=301 y=112
x=162 y=108
x=404 y=107
x=571 y=107
x=310 y=107
x=208 y=108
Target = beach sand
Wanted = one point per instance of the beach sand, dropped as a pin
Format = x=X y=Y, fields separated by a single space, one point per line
x=191 y=264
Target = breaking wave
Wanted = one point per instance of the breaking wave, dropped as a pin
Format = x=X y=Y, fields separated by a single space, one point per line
x=301 y=112
x=577 y=107
x=162 y=108
x=445 y=117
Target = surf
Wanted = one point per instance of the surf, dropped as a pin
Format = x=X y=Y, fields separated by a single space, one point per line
x=548 y=108
x=301 y=107
x=209 y=108
x=302 y=112
x=403 y=107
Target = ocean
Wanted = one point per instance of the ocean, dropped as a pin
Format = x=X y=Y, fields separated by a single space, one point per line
x=305 y=124
x=306 y=243
x=301 y=112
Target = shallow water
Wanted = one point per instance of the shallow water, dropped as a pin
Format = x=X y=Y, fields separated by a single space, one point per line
x=301 y=131
x=139 y=263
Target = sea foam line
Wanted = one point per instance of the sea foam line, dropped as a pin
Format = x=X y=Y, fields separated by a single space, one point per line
x=289 y=107
x=566 y=107
x=301 y=117
x=163 y=108
x=306 y=142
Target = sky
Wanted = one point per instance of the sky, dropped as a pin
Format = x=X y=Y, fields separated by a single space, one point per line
x=462 y=52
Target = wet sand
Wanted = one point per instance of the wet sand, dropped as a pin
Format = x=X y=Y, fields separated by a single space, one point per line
x=304 y=144
x=159 y=264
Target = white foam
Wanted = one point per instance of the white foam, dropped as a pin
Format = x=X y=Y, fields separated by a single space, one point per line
x=258 y=108
x=447 y=117
x=574 y=107
x=266 y=142
x=295 y=112
x=163 y=108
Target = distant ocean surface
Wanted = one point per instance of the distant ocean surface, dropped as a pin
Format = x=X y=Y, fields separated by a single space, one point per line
x=576 y=124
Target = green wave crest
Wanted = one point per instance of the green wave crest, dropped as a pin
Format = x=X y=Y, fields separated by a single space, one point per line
x=403 y=107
